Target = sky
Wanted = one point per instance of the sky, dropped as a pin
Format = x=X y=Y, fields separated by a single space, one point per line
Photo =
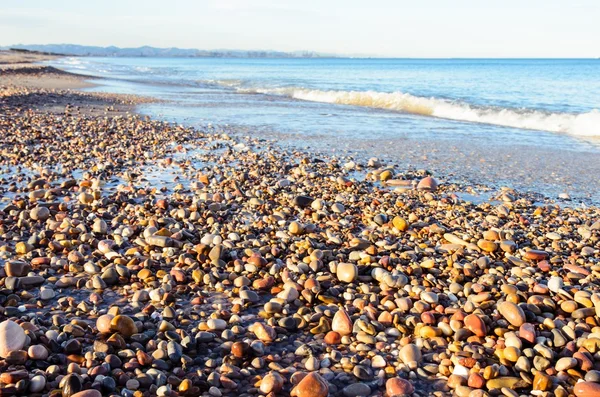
x=387 y=28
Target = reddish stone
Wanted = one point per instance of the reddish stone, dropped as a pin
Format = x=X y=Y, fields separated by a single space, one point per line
x=42 y=260
x=475 y=324
x=13 y=377
x=263 y=283
x=342 y=323
x=312 y=385
x=427 y=183
x=385 y=318
x=143 y=358
x=587 y=389
x=536 y=255
x=476 y=381
x=311 y=283
x=178 y=275
x=103 y=323
x=88 y=393
x=398 y=387
x=428 y=318
x=527 y=332
x=162 y=204
x=576 y=269
x=458 y=316
x=544 y=266
x=333 y=338
x=240 y=349
x=585 y=363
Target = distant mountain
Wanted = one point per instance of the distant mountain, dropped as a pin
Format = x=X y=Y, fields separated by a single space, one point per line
x=147 y=51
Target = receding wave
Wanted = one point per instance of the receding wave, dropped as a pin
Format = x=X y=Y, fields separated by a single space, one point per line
x=583 y=124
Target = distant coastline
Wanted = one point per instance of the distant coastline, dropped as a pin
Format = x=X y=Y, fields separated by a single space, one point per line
x=155 y=52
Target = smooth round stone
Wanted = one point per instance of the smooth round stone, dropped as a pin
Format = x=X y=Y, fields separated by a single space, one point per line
x=47 y=293
x=40 y=213
x=400 y=223
x=240 y=349
x=542 y=381
x=16 y=268
x=378 y=362
x=12 y=338
x=396 y=387
x=289 y=294
x=338 y=208
x=410 y=354
x=555 y=284
x=592 y=376
x=216 y=324
x=37 y=383
x=512 y=354
x=587 y=389
x=380 y=219
x=357 y=390
x=272 y=307
x=249 y=295
x=476 y=325
x=536 y=255
x=132 y=384
x=332 y=338
x=347 y=272
x=37 y=352
x=569 y=306
x=312 y=364
x=88 y=393
x=123 y=325
x=565 y=363
x=103 y=323
x=386 y=175
x=488 y=246
x=271 y=383
x=263 y=332
x=312 y=385
x=430 y=297
x=342 y=323
x=295 y=228
x=427 y=183
x=512 y=313
x=508 y=382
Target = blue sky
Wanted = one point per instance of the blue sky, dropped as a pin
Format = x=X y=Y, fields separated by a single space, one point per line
x=394 y=28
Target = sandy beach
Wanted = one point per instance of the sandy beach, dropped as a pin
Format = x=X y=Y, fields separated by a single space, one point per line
x=142 y=258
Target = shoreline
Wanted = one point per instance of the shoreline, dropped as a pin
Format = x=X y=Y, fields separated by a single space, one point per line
x=552 y=164
x=139 y=257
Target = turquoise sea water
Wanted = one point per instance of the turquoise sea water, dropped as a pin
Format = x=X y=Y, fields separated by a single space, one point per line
x=493 y=111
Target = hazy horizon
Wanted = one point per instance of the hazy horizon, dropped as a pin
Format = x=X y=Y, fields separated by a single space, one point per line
x=324 y=55
x=387 y=29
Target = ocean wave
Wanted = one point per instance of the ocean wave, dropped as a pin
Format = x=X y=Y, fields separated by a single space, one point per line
x=582 y=124
x=231 y=83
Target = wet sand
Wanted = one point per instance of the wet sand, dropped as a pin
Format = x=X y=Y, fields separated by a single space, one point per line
x=143 y=258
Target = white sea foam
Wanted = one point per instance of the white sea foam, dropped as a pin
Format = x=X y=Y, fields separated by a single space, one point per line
x=583 y=124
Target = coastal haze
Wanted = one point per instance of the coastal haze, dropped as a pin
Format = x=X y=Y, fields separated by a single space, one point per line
x=318 y=199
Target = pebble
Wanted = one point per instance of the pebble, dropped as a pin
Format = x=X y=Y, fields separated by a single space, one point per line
x=397 y=387
x=347 y=272
x=342 y=324
x=12 y=338
x=312 y=385
x=512 y=313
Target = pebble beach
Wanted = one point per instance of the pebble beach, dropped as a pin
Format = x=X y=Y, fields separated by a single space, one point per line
x=142 y=258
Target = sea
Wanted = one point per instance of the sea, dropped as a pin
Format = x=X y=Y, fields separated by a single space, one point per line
x=528 y=124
